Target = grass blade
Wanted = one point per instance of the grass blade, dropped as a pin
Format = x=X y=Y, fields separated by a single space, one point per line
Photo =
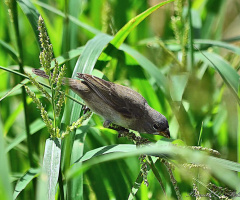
x=148 y=66
x=91 y=53
x=224 y=166
x=221 y=44
x=5 y=186
x=228 y=74
x=71 y=18
x=10 y=51
x=24 y=180
x=124 y=32
x=177 y=86
x=51 y=165
x=34 y=127
x=106 y=150
x=32 y=14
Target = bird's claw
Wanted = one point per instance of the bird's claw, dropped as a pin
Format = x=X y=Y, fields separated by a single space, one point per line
x=85 y=109
x=107 y=123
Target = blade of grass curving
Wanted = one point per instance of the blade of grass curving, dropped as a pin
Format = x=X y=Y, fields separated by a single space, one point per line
x=221 y=44
x=106 y=150
x=148 y=66
x=91 y=53
x=71 y=18
x=32 y=14
x=126 y=30
x=15 y=88
x=12 y=117
x=73 y=53
x=14 y=93
x=100 y=155
x=34 y=127
x=225 y=167
x=7 y=48
x=25 y=180
x=5 y=186
x=228 y=74
x=51 y=165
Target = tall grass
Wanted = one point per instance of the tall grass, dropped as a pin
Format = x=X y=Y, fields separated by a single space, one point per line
x=187 y=69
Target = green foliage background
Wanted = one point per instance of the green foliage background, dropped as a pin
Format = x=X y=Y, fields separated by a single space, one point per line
x=196 y=90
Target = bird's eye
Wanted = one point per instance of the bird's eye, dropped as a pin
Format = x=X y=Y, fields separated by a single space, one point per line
x=155 y=126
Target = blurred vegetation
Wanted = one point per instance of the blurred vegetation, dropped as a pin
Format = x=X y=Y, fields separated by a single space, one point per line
x=183 y=58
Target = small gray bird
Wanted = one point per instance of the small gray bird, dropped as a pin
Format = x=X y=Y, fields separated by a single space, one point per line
x=117 y=104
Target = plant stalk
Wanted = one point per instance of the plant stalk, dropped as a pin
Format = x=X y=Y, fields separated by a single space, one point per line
x=21 y=69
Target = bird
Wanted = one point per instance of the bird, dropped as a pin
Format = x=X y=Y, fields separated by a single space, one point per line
x=117 y=104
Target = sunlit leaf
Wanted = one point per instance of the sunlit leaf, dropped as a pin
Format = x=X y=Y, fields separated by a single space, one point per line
x=51 y=165
x=32 y=14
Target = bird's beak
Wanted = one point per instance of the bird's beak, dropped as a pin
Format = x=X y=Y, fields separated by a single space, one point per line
x=165 y=133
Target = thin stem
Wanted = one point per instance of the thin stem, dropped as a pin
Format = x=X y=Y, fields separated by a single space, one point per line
x=20 y=49
x=60 y=181
x=190 y=35
x=51 y=83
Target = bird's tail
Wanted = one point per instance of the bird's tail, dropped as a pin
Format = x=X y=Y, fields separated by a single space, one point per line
x=40 y=73
x=66 y=81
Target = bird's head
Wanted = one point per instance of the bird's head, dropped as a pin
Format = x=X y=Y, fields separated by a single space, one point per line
x=156 y=123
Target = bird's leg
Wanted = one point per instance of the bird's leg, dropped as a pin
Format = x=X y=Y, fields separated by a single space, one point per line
x=85 y=109
x=123 y=132
x=106 y=123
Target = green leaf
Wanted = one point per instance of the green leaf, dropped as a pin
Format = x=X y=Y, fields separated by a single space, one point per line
x=11 y=119
x=221 y=168
x=24 y=180
x=106 y=150
x=73 y=53
x=34 y=127
x=177 y=86
x=124 y=32
x=71 y=18
x=14 y=89
x=91 y=53
x=51 y=165
x=32 y=14
x=225 y=45
x=5 y=186
x=75 y=186
x=10 y=51
x=228 y=74
x=148 y=66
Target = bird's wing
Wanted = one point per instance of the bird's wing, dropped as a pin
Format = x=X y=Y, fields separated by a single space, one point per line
x=123 y=99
